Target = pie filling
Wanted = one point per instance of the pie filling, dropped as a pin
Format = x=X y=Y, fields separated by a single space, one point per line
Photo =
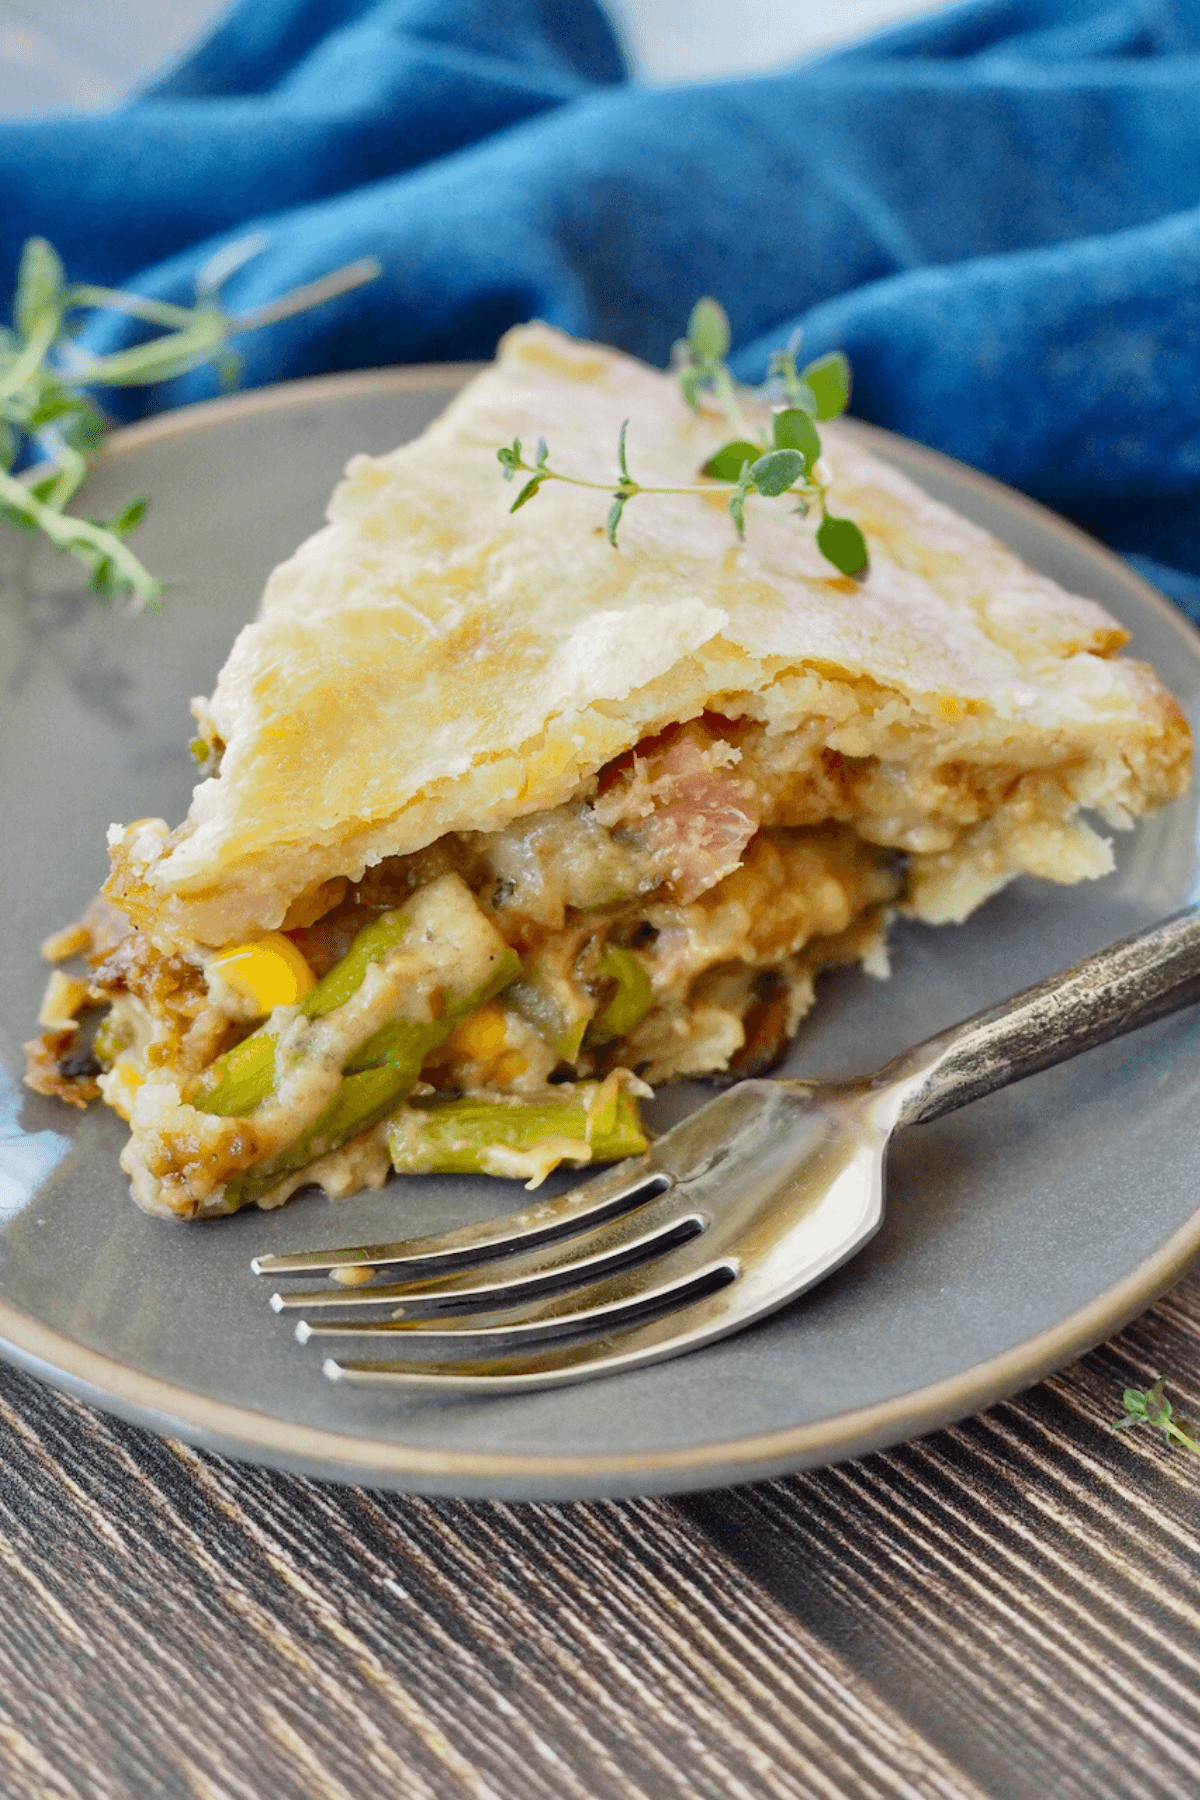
x=497 y=1002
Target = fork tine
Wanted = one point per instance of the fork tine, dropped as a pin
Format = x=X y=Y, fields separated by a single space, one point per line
x=634 y=1344
x=605 y=1196
x=576 y=1314
x=551 y=1268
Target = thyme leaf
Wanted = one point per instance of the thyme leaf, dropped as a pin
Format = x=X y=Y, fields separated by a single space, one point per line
x=526 y=493
x=828 y=381
x=771 y=473
x=708 y=332
x=48 y=417
x=789 y=461
x=792 y=429
x=842 y=543
x=614 y=519
x=621 y=463
x=1150 y=1406
x=776 y=472
x=729 y=461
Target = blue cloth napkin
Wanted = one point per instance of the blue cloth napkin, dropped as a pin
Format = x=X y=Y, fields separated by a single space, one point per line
x=995 y=211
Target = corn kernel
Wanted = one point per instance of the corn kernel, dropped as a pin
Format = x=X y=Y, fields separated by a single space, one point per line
x=507 y=1068
x=64 y=996
x=269 y=972
x=352 y=1274
x=480 y=1037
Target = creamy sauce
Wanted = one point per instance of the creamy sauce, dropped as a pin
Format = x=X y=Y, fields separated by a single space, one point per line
x=716 y=859
x=449 y=953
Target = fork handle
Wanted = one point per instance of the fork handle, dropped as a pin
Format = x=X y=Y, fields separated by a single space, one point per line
x=1120 y=988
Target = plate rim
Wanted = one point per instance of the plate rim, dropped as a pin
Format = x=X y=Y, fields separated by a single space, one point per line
x=246 y=1434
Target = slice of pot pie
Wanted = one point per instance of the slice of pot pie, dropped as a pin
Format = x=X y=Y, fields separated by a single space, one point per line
x=499 y=823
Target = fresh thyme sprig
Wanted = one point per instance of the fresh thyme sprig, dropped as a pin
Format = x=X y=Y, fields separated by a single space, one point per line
x=1150 y=1406
x=47 y=414
x=788 y=462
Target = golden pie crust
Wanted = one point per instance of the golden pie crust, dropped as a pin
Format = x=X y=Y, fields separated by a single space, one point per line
x=429 y=662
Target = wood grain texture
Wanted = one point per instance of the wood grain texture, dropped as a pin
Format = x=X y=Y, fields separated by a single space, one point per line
x=1005 y=1609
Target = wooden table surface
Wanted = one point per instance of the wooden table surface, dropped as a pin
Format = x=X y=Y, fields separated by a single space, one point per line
x=1008 y=1609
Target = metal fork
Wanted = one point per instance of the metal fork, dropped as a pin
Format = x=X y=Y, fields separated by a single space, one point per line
x=745 y=1204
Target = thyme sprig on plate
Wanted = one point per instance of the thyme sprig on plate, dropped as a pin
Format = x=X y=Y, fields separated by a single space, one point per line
x=1150 y=1406
x=787 y=462
x=48 y=416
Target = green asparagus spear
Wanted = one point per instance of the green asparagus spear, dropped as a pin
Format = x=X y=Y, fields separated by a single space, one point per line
x=245 y=1075
x=560 y=1017
x=386 y=1065
x=373 y=942
x=454 y=1137
x=632 y=1000
x=242 y=1078
x=361 y=1101
x=404 y=1044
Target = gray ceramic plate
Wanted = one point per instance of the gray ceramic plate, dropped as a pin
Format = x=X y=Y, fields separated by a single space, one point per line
x=1019 y=1232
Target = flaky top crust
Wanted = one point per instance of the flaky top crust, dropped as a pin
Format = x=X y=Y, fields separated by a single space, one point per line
x=430 y=662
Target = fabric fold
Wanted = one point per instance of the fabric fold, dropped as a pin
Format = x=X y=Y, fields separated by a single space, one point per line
x=994 y=209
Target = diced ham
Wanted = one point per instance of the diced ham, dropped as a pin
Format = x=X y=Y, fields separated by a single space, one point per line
x=679 y=797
